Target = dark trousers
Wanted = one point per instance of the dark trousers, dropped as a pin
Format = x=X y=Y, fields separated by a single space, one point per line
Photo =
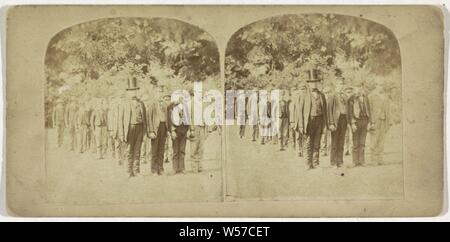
x=312 y=142
x=242 y=130
x=134 y=139
x=301 y=143
x=73 y=137
x=359 y=140
x=83 y=137
x=89 y=138
x=60 y=134
x=297 y=139
x=158 y=146
x=338 y=141
x=255 y=134
x=294 y=138
x=284 y=132
x=179 y=150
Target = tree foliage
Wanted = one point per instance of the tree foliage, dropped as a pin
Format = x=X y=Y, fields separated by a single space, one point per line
x=96 y=58
x=272 y=52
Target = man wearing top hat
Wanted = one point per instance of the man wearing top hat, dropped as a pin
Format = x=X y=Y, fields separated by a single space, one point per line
x=157 y=128
x=298 y=92
x=360 y=118
x=337 y=122
x=132 y=127
x=312 y=118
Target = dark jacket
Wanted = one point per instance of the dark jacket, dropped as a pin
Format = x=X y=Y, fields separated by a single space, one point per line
x=154 y=117
x=332 y=112
x=354 y=109
x=181 y=127
x=125 y=118
x=304 y=112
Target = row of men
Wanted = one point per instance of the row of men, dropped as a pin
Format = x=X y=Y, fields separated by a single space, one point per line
x=132 y=127
x=310 y=115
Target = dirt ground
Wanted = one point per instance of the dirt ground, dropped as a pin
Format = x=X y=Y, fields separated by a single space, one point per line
x=263 y=172
x=253 y=172
x=74 y=178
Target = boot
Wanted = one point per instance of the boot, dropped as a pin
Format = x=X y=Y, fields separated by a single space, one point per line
x=137 y=168
x=130 y=168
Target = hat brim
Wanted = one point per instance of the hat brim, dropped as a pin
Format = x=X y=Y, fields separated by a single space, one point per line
x=131 y=89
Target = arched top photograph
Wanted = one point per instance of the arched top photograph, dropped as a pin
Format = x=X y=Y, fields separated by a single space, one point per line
x=109 y=99
x=335 y=102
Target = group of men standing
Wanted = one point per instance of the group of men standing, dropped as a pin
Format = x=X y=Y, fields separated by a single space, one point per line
x=308 y=116
x=133 y=127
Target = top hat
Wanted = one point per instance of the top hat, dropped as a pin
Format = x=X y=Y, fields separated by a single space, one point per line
x=313 y=75
x=132 y=84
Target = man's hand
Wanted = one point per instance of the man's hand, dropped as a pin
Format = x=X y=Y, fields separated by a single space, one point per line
x=301 y=131
x=332 y=128
x=354 y=128
x=174 y=135
x=152 y=135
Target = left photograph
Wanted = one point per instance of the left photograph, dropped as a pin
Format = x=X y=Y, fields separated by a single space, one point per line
x=110 y=138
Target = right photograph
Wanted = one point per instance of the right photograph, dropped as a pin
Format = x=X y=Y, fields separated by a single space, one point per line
x=317 y=110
